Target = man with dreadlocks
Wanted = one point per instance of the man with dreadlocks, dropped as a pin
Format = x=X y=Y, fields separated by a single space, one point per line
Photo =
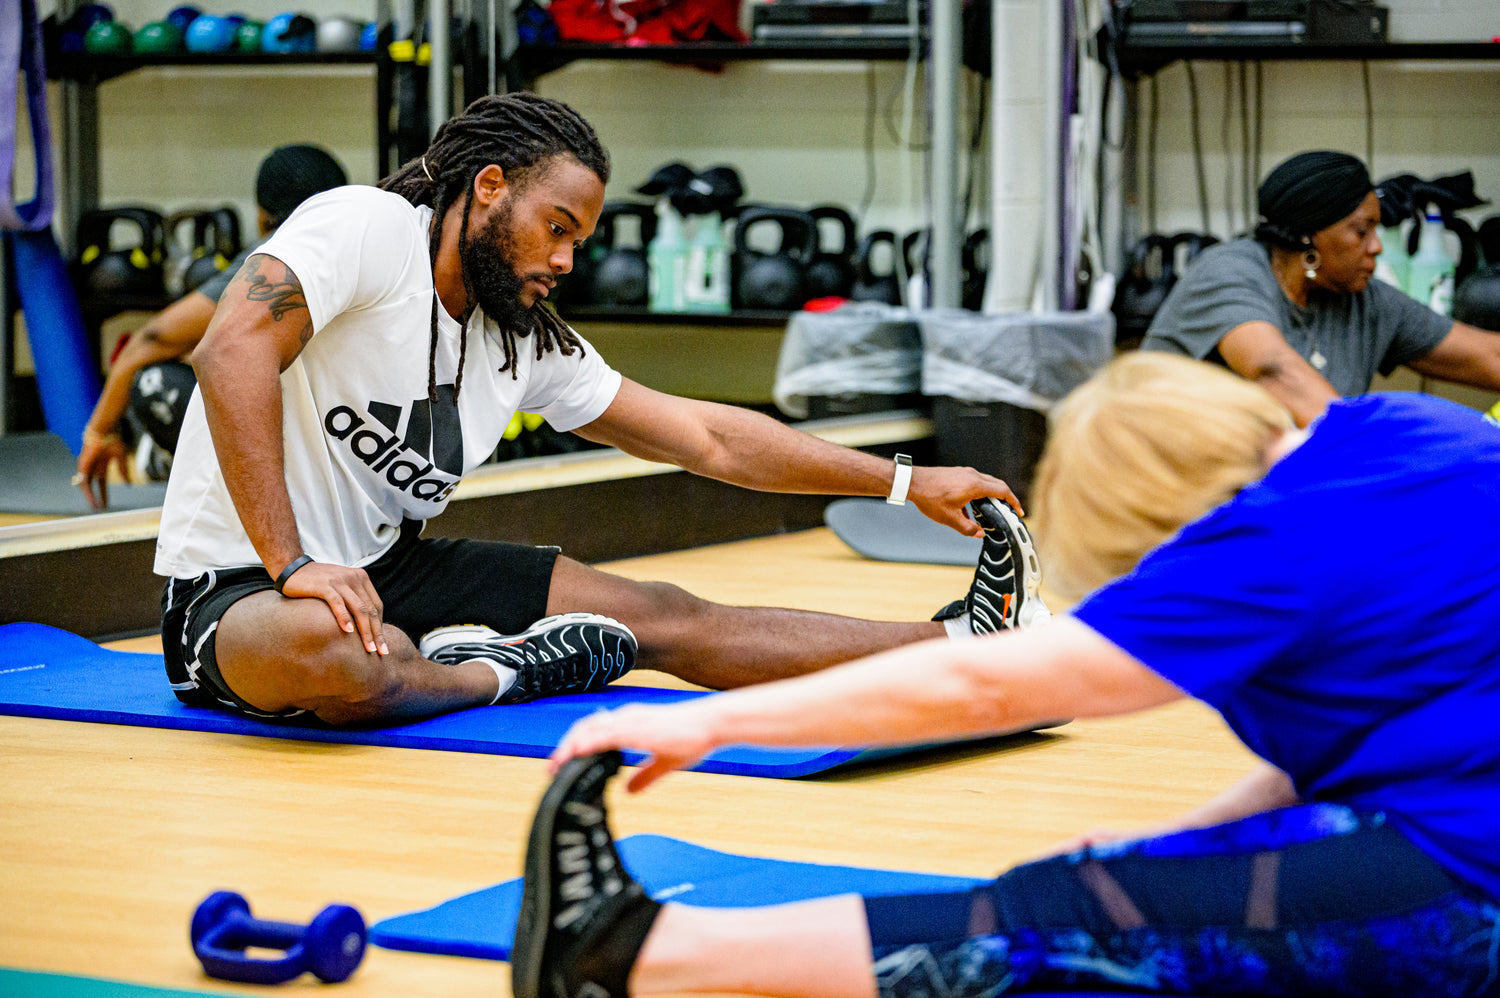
x=318 y=443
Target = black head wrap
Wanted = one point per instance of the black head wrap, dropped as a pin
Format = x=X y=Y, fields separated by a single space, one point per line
x=1310 y=192
x=291 y=175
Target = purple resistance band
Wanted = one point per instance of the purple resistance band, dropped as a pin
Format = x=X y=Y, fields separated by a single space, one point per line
x=21 y=51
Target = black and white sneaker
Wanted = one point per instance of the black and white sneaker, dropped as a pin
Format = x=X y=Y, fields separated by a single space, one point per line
x=583 y=919
x=1004 y=593
x=567 y=653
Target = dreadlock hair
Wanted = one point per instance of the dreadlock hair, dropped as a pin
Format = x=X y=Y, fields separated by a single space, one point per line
x=517 y=132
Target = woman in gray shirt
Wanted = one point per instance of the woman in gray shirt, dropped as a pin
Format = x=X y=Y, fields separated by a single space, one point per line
x=1295 y=308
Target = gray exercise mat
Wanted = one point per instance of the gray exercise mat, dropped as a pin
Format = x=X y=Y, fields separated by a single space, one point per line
x=36 y=472
x=878 y=530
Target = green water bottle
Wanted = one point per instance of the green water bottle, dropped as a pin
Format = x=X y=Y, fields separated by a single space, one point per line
x=706 y=287
x=666 y=259
x=1430 y=279
x=1393 y=266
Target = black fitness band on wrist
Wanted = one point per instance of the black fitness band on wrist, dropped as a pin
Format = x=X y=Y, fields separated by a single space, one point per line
x=291 y=569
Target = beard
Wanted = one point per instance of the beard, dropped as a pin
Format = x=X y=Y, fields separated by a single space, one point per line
x=487 y=266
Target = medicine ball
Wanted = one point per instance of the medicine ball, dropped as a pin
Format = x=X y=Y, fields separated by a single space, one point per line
x=339 y=34
x=157 y=38
x=107 y=38
x=289 y=33
x=210 y=33
x=184 y=16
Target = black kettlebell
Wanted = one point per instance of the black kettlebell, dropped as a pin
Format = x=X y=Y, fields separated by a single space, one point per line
x=1150 y=272
x=974 y=259
x=1477 y=299
x=869 y=285
x=111 y=264
x=831 y=273
x=617 y=273
x=216 y=242
x=774 y=280
x=1185 y=247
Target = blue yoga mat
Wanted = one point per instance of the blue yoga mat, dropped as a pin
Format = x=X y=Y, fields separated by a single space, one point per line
x=46 y=672
x=483 y=924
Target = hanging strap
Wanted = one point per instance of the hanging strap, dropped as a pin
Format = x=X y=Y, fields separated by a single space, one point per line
x=21 y=52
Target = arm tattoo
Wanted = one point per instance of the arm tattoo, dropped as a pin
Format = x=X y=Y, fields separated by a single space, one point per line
x=281 y=297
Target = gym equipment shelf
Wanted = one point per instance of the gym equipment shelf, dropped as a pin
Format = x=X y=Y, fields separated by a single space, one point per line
x=536 y=60
x=96 y=69
x=1143 y=60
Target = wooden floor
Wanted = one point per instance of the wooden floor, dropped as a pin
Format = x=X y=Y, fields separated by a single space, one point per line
x=111 y=835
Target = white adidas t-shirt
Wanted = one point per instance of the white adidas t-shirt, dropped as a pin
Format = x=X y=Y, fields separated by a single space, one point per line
x=364 y=447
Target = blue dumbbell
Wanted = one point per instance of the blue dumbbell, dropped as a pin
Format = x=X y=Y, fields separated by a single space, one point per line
x=222 y=929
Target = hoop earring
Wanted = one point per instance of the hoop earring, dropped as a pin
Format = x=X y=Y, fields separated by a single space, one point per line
x=1311 y=260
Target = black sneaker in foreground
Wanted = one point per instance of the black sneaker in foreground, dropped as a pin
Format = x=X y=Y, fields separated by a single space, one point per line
x=583 y=919
x=568 y=653
x=1004 y=592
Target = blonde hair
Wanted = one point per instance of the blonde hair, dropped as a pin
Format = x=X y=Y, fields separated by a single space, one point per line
x=1148 y=444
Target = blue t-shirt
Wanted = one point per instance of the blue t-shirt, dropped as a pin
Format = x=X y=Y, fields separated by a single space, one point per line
x=1343 y=614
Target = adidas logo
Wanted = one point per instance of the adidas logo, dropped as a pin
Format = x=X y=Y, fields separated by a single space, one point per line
x=426 y=461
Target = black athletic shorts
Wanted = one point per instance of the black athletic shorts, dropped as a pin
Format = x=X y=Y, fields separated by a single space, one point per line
x=422 y=583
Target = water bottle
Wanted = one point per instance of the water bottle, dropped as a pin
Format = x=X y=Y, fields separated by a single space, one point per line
x=1430 y=279
x=666 y=258
x=1393 y=266
x=706 y=288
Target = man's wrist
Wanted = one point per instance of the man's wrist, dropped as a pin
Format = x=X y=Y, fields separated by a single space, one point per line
x=290 y=569
x=901 y=483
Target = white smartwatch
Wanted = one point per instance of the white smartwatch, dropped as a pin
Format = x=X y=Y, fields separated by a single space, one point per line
x=901 y=482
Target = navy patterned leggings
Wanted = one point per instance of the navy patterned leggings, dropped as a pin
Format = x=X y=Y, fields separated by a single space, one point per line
x=1310 y=900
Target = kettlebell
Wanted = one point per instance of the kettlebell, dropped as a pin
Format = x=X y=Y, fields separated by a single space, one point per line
x=974 y=259
x=618 y=274
x=216 y=242
x=774 y=280
x=1150 y=272
x=130 y=266
x=1186 y=246
x=1477 y=300
x=914 y=257
x=869 y=285
x=831 y=273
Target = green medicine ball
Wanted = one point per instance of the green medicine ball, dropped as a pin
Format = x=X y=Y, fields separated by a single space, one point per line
x=107 y=38
x=247 y=36
x=159 y=38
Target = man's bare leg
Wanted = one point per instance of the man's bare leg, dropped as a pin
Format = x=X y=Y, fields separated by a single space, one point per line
x=721 y=646
x=277 y=654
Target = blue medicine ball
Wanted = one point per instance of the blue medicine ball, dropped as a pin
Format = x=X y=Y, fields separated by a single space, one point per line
x=210 y=33
x=290 y=33
x=184 y=16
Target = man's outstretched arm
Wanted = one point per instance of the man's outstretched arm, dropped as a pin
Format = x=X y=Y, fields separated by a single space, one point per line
x=754 y=451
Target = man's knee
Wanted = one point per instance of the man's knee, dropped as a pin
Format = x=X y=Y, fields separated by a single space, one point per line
x=276 y=654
